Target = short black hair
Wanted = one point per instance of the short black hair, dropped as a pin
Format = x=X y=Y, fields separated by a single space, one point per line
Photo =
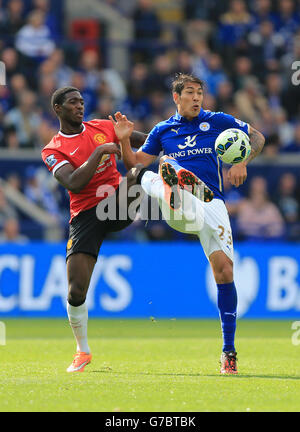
x=181 y=79
x=58 y=96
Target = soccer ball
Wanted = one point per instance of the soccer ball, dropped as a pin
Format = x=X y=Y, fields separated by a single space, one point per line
x=232 y=146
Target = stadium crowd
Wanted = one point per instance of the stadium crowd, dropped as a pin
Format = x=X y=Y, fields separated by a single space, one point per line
x=243 y=50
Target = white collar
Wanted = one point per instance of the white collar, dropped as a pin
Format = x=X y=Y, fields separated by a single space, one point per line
x=72 y=136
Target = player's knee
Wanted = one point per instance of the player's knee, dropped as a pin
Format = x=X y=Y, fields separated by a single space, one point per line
x=225 y=273
x=77 y=294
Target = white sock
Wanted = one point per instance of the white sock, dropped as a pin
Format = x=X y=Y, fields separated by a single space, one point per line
x=78 y=318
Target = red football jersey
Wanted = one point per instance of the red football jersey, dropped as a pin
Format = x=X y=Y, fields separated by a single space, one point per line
x=76 y=149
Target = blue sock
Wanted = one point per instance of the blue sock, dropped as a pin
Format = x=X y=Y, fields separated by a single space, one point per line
x=227 y=303
x=174 y=163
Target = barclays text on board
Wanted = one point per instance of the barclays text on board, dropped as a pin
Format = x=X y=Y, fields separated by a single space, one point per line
x=143 y=280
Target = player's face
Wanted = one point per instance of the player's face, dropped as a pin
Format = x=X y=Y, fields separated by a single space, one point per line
x=190 y=100
x=72 y=109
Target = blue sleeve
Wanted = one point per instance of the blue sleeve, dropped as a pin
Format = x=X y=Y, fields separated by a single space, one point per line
x=152 y=144
x=226 y=121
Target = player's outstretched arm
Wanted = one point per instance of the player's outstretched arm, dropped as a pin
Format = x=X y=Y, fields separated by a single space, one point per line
x=237 y=174
x=76 y=179
x=124 y=128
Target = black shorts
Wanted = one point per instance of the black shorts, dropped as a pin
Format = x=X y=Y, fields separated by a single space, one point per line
x=87 y=232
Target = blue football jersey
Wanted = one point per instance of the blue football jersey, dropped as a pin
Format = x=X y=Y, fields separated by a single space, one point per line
x=192 y=144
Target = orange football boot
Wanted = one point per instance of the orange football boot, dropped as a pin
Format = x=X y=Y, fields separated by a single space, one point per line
x=228 y=363
x=81 y=360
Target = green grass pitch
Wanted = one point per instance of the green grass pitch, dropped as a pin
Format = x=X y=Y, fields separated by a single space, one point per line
x=148 y=365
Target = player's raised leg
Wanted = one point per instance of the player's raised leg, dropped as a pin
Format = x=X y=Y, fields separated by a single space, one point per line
x=176 y=177
x=222 y=267
x=188 y=217
x=79 y=270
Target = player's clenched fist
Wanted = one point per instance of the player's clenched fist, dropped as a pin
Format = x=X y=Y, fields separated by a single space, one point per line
x=110 y=148
x=237 y=174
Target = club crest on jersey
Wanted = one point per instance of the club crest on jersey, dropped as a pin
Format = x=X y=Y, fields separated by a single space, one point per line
x=50 y=161
x=100 y=138
x=204 y=126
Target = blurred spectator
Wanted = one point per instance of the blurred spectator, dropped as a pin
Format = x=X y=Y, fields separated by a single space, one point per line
x=10 y=58
x=225 y=97
x=18 y=84
x=272 y=146
x=242 y=71
x=25 y=119
x=287 y=21
x=58 y=67
x=90 y=68
x=184 y=62
x=288 y=202
x=233 y=28
x=13 y=21
x=38 y=191
x=46 y=87
x=161 y=74
x=215 y=74
x=11 y=232
x=104 y=108
x=201 y=53
x=250 y=102
x=51 y=20
x=11 y=138
x=258 y=217
x=294 y=146
x=147 y=31
x=284 y=128
x=262 y=11
x=266 y=47
x=274 y=90
x=285 y=198
x=7 y=211
x=89 y=95
x=34 y=42
x=14 y=180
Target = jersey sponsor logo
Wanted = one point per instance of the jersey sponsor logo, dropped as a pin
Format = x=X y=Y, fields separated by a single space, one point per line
x=191 y=152
x=73 y=152
x=204 y=126
x=50 y=161
x=69 y=244
x=100 y=138
x=189 y=142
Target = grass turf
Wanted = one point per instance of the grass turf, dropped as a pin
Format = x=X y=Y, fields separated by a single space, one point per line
x=151 y=366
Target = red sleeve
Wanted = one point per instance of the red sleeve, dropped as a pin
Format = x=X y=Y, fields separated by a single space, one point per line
x=53 y=159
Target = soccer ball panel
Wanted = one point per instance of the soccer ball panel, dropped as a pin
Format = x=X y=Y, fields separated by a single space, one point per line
x=232 y=146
